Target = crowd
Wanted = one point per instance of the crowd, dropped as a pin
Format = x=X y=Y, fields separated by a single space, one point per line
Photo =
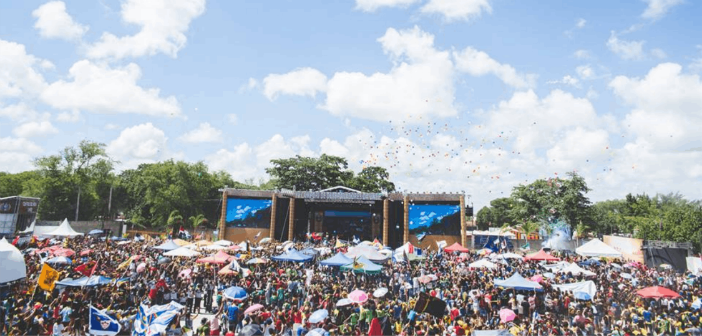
x=289 y=293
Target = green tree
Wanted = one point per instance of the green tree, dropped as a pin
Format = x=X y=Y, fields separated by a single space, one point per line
x=373 y=179
x=20 y=184
x=174 y=219
x=484 y=218
x=195 y=221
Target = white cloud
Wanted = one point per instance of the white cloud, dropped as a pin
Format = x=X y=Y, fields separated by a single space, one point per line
x=456 y=10
x=233 y=118
x=19 y=112
x=34 y=129
x=628 y=50
x=567 y=80
x=582 y=54
x=696 y=65
x=19 y=76
x=658 y=53
x=112 y=127
x=100 y=89
x=373 y=5
x=162 y=23
x=138 y=144
x=16 y=154
x=300 y=82
x=72 y=116
x=54 y=22
x=585 y=72
x=581 y=23
x=656 y=9
x=592 y=94
x=236 y=162
x=277 y=148
x=203 y=133
x=479 y=63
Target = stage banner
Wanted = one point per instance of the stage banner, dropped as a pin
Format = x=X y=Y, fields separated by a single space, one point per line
x=629 y=247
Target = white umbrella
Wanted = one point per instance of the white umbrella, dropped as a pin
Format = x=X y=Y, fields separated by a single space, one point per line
x=182 y=252
x=343 y=302
x=380 y=292
x=223 y=242
x=214 y=247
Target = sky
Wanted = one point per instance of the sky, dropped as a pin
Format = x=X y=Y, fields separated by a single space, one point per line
x=471 y=96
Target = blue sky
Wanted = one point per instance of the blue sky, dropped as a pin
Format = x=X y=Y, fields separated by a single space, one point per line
x=518 y=90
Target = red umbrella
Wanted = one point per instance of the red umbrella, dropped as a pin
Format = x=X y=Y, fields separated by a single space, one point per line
x=86 y=252
x=657 y=292
x=541 y=255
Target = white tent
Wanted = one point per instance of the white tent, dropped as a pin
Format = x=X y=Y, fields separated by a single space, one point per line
x=482 y=263
x=597 y=248
x=30 y=229
x=557 y=266
x=223 y=242
x=12 y=261
x=182 y=252
x=64 y=230
x=577 y=270
x=407 y=248
x=579 y=287
x=508 y=255
x=168 y=245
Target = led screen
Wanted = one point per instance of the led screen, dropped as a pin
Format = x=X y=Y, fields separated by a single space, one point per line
x=248 y=213
x=436 y=219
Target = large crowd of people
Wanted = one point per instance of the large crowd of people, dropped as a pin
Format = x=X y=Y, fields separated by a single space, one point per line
x=289 y=293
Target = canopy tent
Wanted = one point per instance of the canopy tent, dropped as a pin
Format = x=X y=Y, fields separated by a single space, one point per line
x=456 y=247
x=657 y=292
x=362 y=265
x=94 y=280
x=588 y=287
x=518 y=282
x=366 y=251
x=541 y=255
x=310 y=252
x=182 y=252
x=597 y=248
x=220 y=257
x=577 y=270
x=223 y=242
x=293 y=256
x=168 y=245
x=557 y=266
x=508 y=255
x=406 y=249
x=482 y=263
x=181 y=242
x=12 y=261
x=338 y=260
x=63 y=230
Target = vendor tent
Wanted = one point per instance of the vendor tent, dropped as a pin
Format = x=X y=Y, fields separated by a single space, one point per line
x=12 y=261
x=482 y=263
x=579 y=287
x=337 y=260
x=518 y=282
x=63 y=230
x=597 y=248
x=541 y=255
x=362 y=265
x=577 y=270
x=293 y=256
x=168 y=245
x=366 y=251
x=182 y=252
x=456 y=247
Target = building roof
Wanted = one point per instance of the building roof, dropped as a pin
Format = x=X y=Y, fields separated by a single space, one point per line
x=345 y=194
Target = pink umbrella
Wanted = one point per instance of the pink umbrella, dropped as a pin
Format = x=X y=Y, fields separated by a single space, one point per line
x=358 y=296
x=507 y=315
x=537 y=278
x=253 y=308
x=185 y=273
x=141 y=267
x=425 y=279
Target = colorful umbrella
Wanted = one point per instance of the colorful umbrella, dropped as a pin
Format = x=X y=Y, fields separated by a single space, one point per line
x=358 y=296
x=507 y=315
x=318 y=316
x=86 y=252
x=253 y=308
x=657 y=292
x=235 y=293
x=537 y=278
x=257 y=261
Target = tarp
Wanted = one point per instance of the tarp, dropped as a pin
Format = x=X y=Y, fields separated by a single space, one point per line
x=292 y=255
x=541 y=255
x=182 y=252
x=518 y=282
x=94 y=280
x=597 y=248
x=557 y=266
x=362 y=265
x=366 y=251
x=168 y=245
x=675 y=257
x=12 y=261
x=338 y=260
x=63 y=230
x=588 y=287
x=508 y=255
x=577 y=270
x=456 y=247
x=30 y=229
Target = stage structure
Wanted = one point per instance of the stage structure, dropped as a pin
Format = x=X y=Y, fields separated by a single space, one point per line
x=16 y=215
x=392 y=218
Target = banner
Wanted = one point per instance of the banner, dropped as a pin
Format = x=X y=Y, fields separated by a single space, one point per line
x=431 y=305
x=154 y=321
x=47 y=278
x=102 y=324
x=630 y=248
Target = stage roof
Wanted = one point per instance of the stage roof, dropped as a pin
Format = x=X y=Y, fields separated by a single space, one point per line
x=343 y=194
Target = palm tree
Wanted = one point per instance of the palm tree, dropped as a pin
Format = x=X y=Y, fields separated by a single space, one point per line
x=580 y=231
x=528 y=228
x=174 y=219
x=197 y=220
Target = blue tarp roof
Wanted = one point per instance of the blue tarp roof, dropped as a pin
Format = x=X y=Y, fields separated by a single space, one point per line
x=518 y=282
x=337 y=260
x=292 y=255
x=85 y=281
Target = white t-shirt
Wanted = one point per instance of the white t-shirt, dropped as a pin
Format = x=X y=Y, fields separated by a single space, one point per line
x=58 y=329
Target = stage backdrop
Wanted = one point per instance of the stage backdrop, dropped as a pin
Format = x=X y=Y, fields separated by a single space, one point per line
x=434 y=219
x=629 y=247
x=248 y=213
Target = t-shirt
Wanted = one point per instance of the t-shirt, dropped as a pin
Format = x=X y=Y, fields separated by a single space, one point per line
x=66 y=314
x=232 y=313
x=58 y=329
x=203 y=330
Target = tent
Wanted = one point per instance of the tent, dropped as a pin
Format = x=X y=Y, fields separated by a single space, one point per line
x=168 y=245
x=408 y=249
x=508 y=255
x=94 y=280
x=366 y=251
x=182 y=252
x=292 y=255
x=541 y=255
x=579 y=287
x=12 y=261
x=310 y=252
x=482 y=263
x=30 y=229
x=362 y=265
x=657 y=292
x=220 y=257
x=597 y=248
x=518 y=282
x=63 y=230
x=338 y=260
x=577 y=270
x=456 y=247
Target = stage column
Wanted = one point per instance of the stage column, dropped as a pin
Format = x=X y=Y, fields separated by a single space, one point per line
x=463 y=220
x=405 y=234
x=291 y=219
x=274 y=208
x=386 y=221
x=223 y=216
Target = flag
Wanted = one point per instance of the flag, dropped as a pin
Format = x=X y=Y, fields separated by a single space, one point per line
x=410 y=248
x=15 y=241
x=154 y=320
x=441 y=244
x=421 y=236
x=92 y=271
x=404 y=255
x=82 y=269
x=257 y=235
x=102 y=324
x=47 y=278
x=430 y=305
x=33 y=240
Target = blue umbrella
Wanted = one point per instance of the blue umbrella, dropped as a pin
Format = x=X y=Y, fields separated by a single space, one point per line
x=60 y=260
x=94 y=232
x=236 y=293
x=582 y=296
x=318 y=316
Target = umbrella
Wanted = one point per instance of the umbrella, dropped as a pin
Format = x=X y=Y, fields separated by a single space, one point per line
x=214 y=247
x=60 y=260
x=317 y=332
x=625 y=275
x=251 y=330
x=615 y=265
x=425 y=279
x=582 y=296
x=253 y=308
x=343 y=302
x=537 y=278
x=657 y=292
x=318 y=316
x=235 y=293
x=257 y=261
x=185 y=273
x=697 y=304
x=235 y=247
x=141 y=267
x=380 y=292
x=223 y=242
x=86 y=252
x=95 y=232
x=358 y=296
x=507 y=315
x=266 y=240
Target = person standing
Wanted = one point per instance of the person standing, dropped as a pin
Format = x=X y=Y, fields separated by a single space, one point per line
x=198 y=298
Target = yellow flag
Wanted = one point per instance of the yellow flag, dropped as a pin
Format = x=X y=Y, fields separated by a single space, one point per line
x=47 y=278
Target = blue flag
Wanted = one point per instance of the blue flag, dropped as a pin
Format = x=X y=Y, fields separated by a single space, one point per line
x=102 y=324
x=154 y=320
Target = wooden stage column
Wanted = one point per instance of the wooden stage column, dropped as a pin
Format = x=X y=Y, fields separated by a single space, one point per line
x=291 y=219
x=462 y=199
x=223 y=216
x=386 y=221
x=274 y=209
x=405 y=235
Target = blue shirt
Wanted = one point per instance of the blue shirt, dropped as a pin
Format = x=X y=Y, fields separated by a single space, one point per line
x=232 y=313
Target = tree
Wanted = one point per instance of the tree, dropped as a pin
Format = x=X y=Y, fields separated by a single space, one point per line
x=484 y=218
x=174 y=218
x=20 y=184
x=195 y=221
x=373 y=179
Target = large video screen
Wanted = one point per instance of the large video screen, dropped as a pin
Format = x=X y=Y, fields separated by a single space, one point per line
x=438 y=219
x=248 y=213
